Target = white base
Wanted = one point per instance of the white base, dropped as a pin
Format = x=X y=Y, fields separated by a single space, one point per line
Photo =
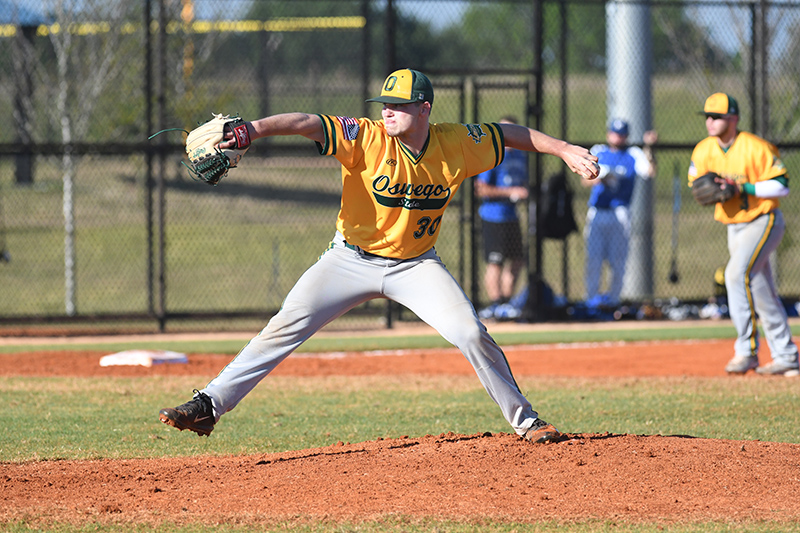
x=143 y=358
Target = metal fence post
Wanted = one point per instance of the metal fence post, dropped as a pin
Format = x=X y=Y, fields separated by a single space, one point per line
x=629 y=52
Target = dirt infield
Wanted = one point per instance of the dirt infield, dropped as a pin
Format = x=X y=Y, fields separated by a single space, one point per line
x=449 y=476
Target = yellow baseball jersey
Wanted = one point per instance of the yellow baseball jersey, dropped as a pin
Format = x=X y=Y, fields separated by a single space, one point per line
x=392 y=201
x=749 y=159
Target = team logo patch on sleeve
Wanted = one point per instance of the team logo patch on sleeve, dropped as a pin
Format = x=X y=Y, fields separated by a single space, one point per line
x=475 y=131
x=349 y=126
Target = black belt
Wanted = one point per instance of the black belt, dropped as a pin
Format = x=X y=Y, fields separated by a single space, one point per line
x=359 y=250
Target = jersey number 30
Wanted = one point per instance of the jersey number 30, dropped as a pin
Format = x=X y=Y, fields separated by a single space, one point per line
x=426 y=225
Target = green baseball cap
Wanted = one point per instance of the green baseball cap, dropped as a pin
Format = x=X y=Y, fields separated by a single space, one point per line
x=405 y=86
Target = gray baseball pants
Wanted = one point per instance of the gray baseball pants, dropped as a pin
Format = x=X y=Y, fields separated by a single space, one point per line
x=751 y=288
x=345 y=277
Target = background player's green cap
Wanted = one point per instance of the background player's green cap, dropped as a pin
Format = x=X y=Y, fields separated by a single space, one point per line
x=405 y=86
x=720 y=104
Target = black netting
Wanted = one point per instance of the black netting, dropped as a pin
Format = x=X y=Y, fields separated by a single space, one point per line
x=98 y=222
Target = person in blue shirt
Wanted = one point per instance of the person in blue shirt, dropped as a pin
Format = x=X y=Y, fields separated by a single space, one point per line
x=499 y=190
x=608 y=225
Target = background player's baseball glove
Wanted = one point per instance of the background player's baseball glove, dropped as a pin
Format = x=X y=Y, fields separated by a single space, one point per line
x=711 y=188
x=209 y=162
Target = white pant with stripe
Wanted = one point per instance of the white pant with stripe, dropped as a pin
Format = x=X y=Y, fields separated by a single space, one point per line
x=751 y=288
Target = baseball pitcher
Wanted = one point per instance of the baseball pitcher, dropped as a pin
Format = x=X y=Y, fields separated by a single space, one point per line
x=398 y=177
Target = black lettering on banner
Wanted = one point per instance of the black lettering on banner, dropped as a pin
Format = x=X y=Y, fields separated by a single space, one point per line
x=408 y=195
x=426 y=225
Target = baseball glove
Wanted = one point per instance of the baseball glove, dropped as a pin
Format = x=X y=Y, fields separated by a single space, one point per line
x=210 y=163
x=711 y=188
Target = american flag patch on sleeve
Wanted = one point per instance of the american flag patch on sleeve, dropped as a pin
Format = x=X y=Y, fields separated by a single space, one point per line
x=350 y=127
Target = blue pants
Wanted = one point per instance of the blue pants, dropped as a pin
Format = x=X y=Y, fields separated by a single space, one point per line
x=607 y=233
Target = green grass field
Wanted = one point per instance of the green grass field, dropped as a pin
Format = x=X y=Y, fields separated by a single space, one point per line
x=66 y=418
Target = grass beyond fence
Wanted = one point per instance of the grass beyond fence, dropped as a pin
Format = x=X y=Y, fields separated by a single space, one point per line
x=242 y=245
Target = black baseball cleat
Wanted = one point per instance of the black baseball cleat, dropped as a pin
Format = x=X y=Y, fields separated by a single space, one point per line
x=542 y=432
x=195 y=415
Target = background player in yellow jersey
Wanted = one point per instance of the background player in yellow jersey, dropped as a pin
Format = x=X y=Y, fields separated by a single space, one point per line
x=755 y=228
x=398 y=176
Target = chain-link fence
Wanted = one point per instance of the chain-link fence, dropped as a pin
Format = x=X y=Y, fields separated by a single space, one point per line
x=98 y=223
